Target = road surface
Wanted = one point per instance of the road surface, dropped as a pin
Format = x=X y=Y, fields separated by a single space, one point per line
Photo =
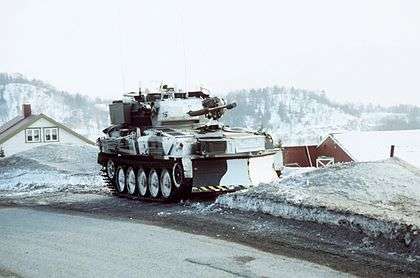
x=341 y=248
x=38 y=243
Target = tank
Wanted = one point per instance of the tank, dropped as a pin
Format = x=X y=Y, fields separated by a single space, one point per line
x=169 y=144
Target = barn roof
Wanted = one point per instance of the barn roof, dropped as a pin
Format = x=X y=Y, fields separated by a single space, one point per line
x=376 y=145
x=19 y=123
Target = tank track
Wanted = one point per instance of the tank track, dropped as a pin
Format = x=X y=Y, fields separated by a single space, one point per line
x=195 y=192
x=111 y=187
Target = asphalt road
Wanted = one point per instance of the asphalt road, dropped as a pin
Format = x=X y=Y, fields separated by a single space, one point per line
x=342 y=248
x=36 y=243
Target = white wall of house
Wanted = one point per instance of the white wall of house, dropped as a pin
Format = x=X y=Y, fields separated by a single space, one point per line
x=18 y=142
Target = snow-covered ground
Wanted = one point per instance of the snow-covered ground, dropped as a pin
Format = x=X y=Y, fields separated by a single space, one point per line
x=379 y=198
x=50 y=168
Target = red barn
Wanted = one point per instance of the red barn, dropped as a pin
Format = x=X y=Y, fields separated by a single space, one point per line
x=300 y=156
x=331 y=147
x=358 y=146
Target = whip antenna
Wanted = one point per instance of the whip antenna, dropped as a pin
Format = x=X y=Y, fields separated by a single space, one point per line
x=121 y=46
x=184 y=50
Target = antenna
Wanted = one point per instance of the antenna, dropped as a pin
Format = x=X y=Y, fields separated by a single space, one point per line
x=121 y=39
x=181 y=23
x=140 y=87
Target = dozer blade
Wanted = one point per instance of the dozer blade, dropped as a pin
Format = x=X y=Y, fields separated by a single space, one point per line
x=229 y=175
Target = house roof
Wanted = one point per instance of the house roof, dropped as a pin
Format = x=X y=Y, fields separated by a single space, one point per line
x=10 y=123
x=19 y=123
x=376 y=145
x=15 y=125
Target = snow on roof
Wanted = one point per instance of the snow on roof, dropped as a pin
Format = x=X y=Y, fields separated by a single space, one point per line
x=376 y=145
x=409 y=154
x=15 y=125
x=10 y=123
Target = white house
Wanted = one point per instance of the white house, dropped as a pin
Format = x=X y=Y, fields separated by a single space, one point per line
x=28 y=130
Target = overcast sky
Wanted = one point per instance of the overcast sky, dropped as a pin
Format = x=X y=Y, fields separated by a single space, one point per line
x=354 y=50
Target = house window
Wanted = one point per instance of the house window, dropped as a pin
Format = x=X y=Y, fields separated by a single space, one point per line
x=33 y=135
x=51 y=134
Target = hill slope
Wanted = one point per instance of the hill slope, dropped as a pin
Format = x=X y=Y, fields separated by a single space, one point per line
x=83 y=114
x=297 y=116
x=294 y=116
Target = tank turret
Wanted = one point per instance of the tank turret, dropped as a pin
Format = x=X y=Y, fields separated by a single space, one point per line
x=212 y=112
x=169 y=143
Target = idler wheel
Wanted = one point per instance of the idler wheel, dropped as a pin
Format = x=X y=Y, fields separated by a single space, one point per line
x=110 y=169
x=154 y=183
x=178 y=175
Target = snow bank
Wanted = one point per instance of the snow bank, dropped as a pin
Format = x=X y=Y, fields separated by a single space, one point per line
x=288 y=172
x=378 y=198
x=50 y=168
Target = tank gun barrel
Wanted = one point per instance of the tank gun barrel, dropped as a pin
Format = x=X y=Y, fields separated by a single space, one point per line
x=205 y=111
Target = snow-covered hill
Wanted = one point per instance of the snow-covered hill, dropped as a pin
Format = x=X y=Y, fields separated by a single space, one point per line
x=294 y=116
x=85 y=115
x=297 y=116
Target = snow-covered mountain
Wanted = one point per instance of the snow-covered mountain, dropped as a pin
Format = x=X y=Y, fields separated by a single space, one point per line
x=83 y=114
x=297 y=116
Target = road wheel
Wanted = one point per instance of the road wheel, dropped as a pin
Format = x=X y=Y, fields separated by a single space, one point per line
x=110 y=169
x=154 y=184
x=178 y=175
x=142 y=182
x=131 y=181
x=120 y=180
x=166 y=185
